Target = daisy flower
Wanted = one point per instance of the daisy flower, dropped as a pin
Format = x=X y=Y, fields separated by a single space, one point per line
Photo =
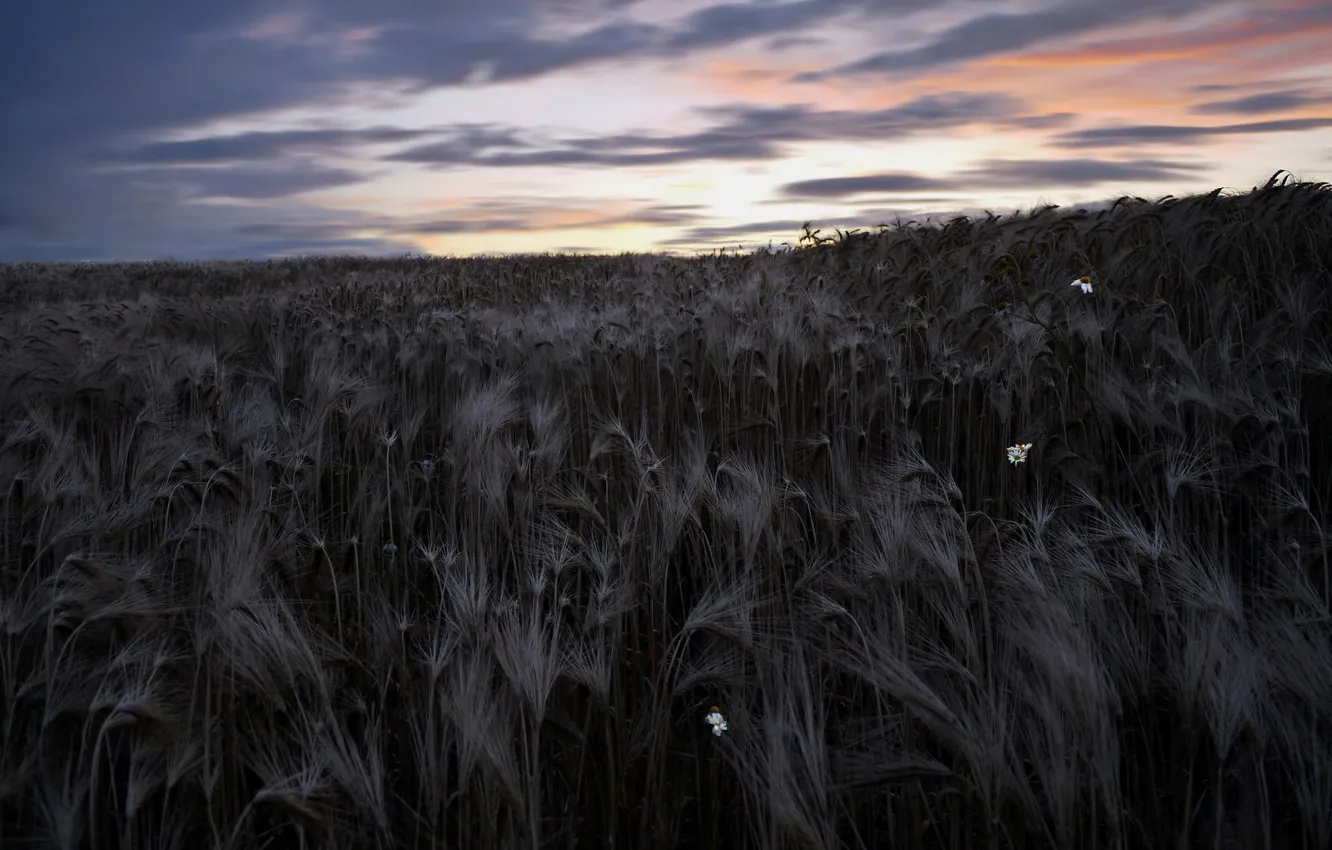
x=716 y=721
x=1018 y=453
x=1084 y=282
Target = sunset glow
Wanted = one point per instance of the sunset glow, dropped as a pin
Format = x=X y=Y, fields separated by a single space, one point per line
x=613 y=126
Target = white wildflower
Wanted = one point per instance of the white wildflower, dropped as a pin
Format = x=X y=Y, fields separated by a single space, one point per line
x=1018 y=453
x=1084 y=282
x=717 y=722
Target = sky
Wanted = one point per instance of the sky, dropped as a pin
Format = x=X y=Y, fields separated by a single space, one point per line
x=158 y=129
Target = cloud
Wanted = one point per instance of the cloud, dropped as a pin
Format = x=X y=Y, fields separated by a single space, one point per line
x=730 y=231
x=998 y=174
x=744 y=132
x=697 y=148
x=1020 y=174
x=1137 y=134
x=787 y=42
x=1001 y=33
x=840 y=187
x=252 y=181
x=262 y=145
x=730 y=23
x=1278 y=101
x=428 y=56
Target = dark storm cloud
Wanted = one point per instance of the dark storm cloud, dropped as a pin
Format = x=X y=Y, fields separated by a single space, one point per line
x=741 y=133
x=997 y=174
x=1157 y=133
x=1259 y=103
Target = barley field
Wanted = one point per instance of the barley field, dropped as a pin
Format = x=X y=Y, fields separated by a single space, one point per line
x=1001 y=533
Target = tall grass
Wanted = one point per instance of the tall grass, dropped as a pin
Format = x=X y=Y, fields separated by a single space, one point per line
x=460 y=553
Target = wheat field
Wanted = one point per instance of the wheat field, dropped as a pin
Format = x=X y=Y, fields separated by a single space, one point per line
x=648 y=552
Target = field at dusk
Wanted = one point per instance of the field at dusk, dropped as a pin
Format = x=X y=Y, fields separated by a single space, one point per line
x=630 y=424
x=1002 y=534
